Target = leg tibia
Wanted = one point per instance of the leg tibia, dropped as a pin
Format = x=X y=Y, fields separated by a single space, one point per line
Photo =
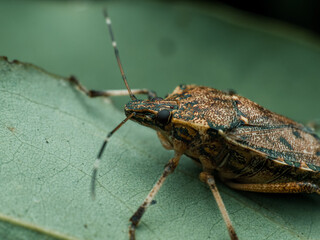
x=109 y=93
x=135 y=219
x=209 y=179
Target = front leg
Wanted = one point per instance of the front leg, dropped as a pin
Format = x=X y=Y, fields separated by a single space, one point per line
x=164 y=141
x=135 y=219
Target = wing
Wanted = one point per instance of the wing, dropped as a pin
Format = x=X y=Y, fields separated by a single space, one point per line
x=248 y=125
x=291 y=144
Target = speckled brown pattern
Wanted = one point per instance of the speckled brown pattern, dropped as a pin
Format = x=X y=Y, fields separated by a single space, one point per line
x=243 y=141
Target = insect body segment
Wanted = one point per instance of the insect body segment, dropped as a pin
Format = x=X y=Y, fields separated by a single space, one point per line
x=154 y=114
x=247 y=146
x=243 y=145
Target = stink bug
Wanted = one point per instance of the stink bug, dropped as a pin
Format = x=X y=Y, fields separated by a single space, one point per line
x=247 y=146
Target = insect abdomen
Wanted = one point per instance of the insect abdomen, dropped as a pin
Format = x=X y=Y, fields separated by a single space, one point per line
x=247 y=166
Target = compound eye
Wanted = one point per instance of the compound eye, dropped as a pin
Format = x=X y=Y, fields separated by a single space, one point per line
x=163 y=116
x=156 y=99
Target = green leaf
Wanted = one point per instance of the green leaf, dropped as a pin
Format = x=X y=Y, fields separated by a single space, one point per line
x=50 y=133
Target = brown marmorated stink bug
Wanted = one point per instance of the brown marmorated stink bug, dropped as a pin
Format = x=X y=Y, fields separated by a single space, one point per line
x=247 y=146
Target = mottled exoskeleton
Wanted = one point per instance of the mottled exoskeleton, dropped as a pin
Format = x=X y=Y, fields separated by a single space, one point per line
x=247 y=146
x=246 y=143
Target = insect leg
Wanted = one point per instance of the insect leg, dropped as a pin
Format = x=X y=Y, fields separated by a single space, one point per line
x=209 y=179
x=136 y=217
x=231 y=92
x=314 y=125
x=165 y=143
x=108 y=93
x=289 y=187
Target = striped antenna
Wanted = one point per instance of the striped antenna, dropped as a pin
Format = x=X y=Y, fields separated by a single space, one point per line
x=116 y=52
x=97 y=162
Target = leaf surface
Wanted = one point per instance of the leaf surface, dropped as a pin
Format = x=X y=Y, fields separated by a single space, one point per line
x=50 y=133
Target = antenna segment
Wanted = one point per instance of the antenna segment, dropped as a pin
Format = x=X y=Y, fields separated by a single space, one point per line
x=116 y=52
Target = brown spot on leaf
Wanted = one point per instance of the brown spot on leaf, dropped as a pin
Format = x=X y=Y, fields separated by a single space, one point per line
x=12 y=129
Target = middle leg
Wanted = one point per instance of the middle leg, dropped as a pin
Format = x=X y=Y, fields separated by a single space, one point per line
x=209 y=179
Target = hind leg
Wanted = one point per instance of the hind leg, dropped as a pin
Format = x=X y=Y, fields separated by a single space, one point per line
x=289 y=187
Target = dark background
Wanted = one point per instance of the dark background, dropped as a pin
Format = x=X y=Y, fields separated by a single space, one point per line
x=303 y=13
